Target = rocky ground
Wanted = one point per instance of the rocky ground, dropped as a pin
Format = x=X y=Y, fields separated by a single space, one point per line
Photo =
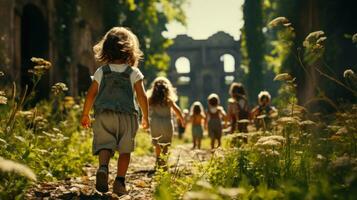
x=140 y=177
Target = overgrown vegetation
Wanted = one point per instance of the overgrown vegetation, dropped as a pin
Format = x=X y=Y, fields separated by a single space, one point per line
x=46 y=138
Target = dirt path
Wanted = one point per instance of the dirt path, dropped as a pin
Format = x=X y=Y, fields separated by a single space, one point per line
x=139 y=178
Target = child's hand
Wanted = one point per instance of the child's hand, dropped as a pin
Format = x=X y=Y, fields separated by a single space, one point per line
x=85 y=121
x=145 y=122
x=182 y=121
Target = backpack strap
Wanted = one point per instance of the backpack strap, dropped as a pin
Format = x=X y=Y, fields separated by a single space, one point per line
x=106 y=70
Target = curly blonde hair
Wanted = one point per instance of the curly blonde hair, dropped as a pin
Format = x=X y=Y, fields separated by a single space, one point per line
x=118 y=43
x=161 y=92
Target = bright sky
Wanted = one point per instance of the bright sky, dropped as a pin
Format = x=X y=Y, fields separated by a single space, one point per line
x=206 y=17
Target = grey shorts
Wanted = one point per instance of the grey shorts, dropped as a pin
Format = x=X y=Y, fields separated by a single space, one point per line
x=161 y=130
x=114 y=131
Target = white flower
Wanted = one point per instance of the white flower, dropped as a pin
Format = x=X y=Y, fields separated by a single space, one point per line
x=231 y=192
x=200 y=195
x=348 y=73
x=279 y=20
x=283 y=77
x=11 y=166
x=3 y=100
x=342 y=131
x=354 y=38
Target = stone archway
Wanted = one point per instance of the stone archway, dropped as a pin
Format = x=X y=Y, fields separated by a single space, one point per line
x=34 y=43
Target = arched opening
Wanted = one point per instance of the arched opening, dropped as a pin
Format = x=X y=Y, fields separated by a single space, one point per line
x=182 y=65
x=228 y=63
x=83 y=78
x=34 y=43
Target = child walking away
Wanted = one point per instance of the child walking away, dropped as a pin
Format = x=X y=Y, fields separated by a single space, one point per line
x=197 y=119
x=238 y=111
x=181 y=127
x=264 y=112
x=162 y=98
x=215 y=114
x=112 y=93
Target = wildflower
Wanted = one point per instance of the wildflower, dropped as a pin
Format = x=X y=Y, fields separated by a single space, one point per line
x=270 y=141
x=314 y=38
x=204 y=184
x=279 y=20
x=314 y=45
x=11 y=166
x=287 y=120
x=348 y=73
x=320 y=157
x=242 y=121
x=261 y=116
x=354 y=38
x=307 y=123
x=273 y=153
x=283 y=77
x=41 y=66
x=26 y=114
x=41 y=62
x=201 y=195
x=231 y=192
x=68 y=102
x=3 y=100
x=342 y=131
x=59 y=88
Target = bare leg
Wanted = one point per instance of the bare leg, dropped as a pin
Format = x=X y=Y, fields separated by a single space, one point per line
x=219 y=142
x=157 y=150
x=165 y=150
x=194 y=140
x=212 y=143
x=123 y=163
x=104 y=157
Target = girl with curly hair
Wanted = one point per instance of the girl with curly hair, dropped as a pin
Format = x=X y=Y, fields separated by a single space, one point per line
x=162 y=98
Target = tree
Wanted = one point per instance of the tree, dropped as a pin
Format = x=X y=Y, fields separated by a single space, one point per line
x=254 y=37
x=147 y=19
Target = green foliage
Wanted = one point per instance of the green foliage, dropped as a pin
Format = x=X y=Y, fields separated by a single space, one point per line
x=47 y=138
x=148 y=20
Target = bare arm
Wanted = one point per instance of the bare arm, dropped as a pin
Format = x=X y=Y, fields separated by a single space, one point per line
x=177 y=111
x=224 y=116
x=88 y=103
x=143 y=102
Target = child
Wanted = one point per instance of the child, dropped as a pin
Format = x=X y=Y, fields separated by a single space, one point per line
x=238 y=111
x=197 y=117
x=215 y=114
x=162 y=97
x=264 y=112
x=181 y=127
x=112 y=92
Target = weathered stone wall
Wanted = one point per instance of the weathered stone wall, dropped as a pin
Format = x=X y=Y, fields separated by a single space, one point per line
x=86 y=28
x=207 y=73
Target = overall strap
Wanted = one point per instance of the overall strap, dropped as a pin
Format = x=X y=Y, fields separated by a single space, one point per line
x=106 y=69
x=128 y=70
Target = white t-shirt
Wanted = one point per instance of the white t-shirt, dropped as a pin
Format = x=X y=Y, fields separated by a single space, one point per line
x=135 y=75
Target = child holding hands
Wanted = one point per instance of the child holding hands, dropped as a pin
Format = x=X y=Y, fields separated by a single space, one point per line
x=215 y=116
x=162 y=98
